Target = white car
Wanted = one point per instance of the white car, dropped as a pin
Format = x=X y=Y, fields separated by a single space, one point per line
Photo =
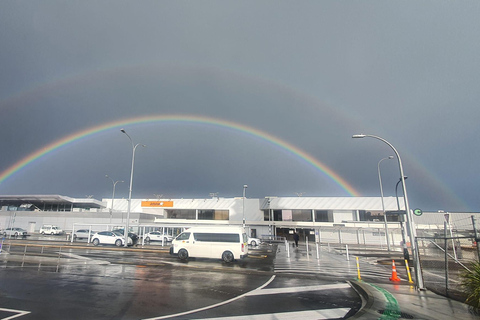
x=110 y=237
x=157 y=236
x=50 y=229
x=254 y=241
x=15 y=232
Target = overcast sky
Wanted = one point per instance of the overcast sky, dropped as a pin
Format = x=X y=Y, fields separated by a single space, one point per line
x=310 y=73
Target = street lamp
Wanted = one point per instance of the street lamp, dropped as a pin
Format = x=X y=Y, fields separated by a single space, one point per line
x=113 y=195
x=411 y=229
x=134 y=147
x=383 y=203
x=243 y=204
x=405 y=249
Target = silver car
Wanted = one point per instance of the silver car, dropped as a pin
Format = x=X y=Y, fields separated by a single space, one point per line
x=157 y=236
x=253 y=241
x=82 y=234
x=15 y=232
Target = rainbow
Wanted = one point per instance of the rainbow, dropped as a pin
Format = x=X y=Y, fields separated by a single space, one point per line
x=179 y=118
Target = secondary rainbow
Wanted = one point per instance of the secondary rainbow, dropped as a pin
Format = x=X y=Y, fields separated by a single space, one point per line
x=179 y=118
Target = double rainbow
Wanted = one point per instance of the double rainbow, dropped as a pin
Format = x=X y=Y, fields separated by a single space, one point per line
x=179 y=118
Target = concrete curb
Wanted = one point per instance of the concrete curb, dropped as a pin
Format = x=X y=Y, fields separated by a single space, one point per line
x=372 y=301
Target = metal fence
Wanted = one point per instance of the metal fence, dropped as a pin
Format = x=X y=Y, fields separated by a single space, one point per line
x=443 y=259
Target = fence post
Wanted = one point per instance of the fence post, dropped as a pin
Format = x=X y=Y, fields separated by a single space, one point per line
x=476 y=238
x=346 y=248
x=446 y=257
x=306 y=244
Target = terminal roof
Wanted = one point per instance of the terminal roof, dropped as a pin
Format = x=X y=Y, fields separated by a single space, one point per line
x=57 y=200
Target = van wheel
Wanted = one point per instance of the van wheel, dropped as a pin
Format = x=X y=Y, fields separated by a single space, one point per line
x=227 y=256
x=43 y=232
x=183 y=254
x=96 y=242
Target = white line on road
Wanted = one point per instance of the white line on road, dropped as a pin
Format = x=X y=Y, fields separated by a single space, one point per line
x=19 y=313
x=298 y=289
x=321 y=314
x=213 y=305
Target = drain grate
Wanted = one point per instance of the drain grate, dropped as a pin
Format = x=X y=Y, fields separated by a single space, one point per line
x=402 y=315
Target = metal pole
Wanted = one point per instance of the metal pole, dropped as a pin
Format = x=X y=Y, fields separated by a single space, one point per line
x=243 y=204
x=446 y=256
x=134 y=147
x=113 y=195
x=383 y=203
x=476 y=238
x=411 y=228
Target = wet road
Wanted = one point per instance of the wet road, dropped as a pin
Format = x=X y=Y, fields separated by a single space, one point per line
x=81 y=283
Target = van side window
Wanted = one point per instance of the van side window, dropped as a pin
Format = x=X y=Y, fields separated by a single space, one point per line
x=217 y=237
x=184 y=236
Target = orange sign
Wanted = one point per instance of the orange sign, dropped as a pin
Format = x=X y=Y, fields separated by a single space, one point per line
x=157 y=204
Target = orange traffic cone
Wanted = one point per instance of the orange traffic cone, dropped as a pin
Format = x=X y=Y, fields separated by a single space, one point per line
x=394 y=277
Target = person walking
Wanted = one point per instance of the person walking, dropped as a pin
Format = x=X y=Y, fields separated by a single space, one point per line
x=296 y=238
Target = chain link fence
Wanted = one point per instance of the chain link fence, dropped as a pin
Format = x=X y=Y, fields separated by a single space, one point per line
x=446 y=253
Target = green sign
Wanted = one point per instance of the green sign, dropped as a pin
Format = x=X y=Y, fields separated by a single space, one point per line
x=417 y=212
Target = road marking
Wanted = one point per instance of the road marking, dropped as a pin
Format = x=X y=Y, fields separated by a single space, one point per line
x=213 y=305
x=321 y=314
x=259 y=292
x=19 y=313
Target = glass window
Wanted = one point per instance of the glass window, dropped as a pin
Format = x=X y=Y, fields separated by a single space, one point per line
x=301 y=215
x=217 y=237
x=323 y=216
x=183 y=236
x=180 y=214
x=213 y=215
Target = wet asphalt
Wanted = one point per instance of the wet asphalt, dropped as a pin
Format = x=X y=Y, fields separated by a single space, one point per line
x=53 y=280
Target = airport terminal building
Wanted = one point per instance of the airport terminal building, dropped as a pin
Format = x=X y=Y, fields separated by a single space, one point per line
x=332 y=218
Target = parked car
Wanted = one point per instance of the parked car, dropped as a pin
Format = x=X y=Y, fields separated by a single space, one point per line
x=50 y=229
x=254 y=241
x=110 y=237
x=15 y=232
x=157 y=236
x=82 y=234
x=132 y=235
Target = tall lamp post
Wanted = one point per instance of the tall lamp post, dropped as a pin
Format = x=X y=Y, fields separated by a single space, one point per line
x=383 y=203
x=243 y=203
x=113 y=195
x=405 y=249
x=411 y=229
x=134 y=147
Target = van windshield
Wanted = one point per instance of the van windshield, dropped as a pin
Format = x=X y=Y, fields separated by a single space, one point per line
x=183 y=236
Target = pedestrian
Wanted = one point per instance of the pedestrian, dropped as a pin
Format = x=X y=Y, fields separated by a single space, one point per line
x=296 y=237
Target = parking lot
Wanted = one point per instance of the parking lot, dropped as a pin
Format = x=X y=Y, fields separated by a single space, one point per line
x=53 y=279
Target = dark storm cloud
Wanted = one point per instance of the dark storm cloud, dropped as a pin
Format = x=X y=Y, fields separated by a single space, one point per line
x=310 y=73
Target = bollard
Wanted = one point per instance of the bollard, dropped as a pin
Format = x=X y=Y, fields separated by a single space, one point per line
x=318 y=254
x=408 y=272
x=287 y=248
x=348 y=257
x=306 y=244
x=358 y=270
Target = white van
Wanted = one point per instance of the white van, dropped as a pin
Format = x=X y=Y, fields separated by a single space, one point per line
x=226 y=243
x=50 y=229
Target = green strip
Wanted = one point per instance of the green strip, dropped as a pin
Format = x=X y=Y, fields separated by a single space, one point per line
x=392 y=309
